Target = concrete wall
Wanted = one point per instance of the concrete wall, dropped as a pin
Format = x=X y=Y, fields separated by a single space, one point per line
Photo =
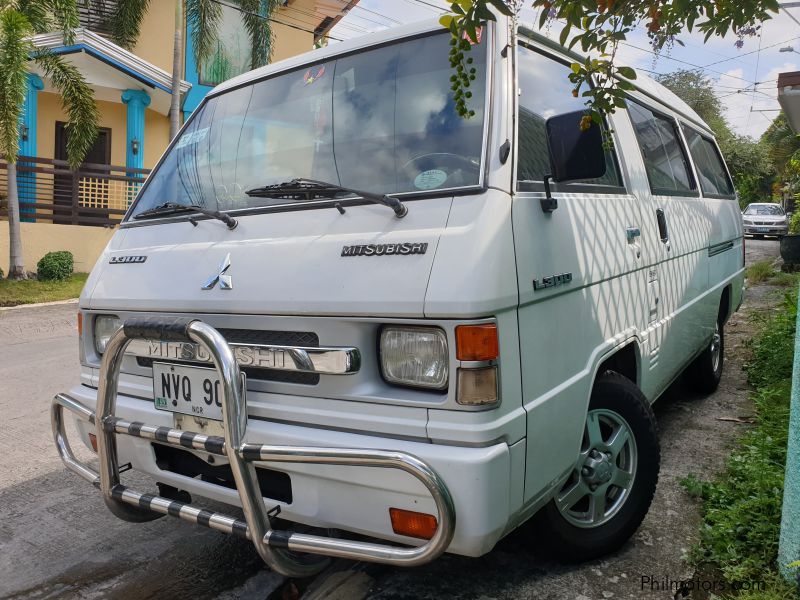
x=156 y=37
x=288 y=40
x=85 y=243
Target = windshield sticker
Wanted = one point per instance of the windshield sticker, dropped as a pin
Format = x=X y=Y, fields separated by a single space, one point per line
x=311 y=76
x=431 y=179
x=192 y=138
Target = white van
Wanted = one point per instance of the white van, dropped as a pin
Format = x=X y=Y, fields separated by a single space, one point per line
x=424 y=371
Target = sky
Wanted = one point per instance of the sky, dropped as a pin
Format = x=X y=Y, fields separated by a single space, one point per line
x=745 y=80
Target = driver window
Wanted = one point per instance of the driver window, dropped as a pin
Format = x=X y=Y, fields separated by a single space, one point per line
x=545 y=91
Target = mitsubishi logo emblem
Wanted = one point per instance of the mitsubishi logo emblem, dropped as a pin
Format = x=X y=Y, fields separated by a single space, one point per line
x=225 y=281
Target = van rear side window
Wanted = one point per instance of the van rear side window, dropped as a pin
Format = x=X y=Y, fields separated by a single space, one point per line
x=664 y=157
x=714 y=179
x=546 y=92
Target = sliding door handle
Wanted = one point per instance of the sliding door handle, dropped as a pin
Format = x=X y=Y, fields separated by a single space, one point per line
x=663 y=232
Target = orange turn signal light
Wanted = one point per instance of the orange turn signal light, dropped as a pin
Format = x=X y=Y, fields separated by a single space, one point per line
x=80 y=324
x=477 y=342
x=413 y=524
x=93 y=440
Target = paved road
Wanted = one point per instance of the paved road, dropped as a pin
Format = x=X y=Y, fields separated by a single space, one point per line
x=57 y=540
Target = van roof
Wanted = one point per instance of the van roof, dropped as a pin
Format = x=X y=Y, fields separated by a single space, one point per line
x=656 y=92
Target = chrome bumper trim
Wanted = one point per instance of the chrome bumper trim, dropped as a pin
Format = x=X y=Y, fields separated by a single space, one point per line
x=275 y=547
x=324 y=361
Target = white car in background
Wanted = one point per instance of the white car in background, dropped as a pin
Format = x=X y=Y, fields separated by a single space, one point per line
x=765 y=218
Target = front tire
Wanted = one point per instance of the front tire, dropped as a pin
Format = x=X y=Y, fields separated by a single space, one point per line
x=610 y=490
x=705 y=372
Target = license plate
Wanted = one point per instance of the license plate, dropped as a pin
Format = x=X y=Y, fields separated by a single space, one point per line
x=762 y=229
x=195 y=391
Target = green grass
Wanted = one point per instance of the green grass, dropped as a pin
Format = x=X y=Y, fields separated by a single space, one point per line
x=762 y=272
x=741 y=508
x=31 y=291
x=785 y=279
x=759 y=272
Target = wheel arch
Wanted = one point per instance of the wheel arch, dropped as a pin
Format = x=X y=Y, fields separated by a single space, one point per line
x=625 y=359
x=725 y=304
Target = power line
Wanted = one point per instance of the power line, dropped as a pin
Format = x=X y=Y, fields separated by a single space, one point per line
x=758 y=51
x=699 y=67
x=753 y=96
x=374 y=12
x=438 y=9
x=317 y=20
x=272 y=19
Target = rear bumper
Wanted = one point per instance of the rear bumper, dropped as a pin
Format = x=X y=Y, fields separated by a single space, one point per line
x=355 y=499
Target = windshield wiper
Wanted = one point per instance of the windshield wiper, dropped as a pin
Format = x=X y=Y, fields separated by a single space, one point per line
x=309 y=189
x=175 y=207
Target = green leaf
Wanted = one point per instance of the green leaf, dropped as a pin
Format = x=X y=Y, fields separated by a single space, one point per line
x=15 y=46
x=626 y=72
x=562 y=39
x=126 y=21
x=625 y=85
x=483 y=13
x=543 y=16
x=501 y=6
x=446 y=20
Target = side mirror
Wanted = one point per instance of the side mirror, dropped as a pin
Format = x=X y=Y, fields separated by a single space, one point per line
x=575 y=154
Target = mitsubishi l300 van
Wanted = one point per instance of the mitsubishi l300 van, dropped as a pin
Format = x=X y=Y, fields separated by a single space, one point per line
x=384 y=331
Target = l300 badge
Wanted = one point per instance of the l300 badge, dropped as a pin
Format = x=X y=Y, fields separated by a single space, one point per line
x=552 y=281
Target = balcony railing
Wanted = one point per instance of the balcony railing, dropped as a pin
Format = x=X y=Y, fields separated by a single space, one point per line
x=95 y=15
x=50 y=191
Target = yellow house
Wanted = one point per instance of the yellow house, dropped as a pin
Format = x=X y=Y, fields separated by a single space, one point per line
x=133 y=93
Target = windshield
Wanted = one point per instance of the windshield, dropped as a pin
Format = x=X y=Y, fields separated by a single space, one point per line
x=382 y=120
x=764 y=209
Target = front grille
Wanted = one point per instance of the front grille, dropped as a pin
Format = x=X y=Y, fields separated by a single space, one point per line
x=306 y=339
x=274 y=485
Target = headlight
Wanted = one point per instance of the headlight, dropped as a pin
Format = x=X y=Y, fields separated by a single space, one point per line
x=105 y=326
x=414 y=356
x=748 y=221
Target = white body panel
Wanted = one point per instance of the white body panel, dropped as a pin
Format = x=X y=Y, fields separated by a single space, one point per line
x=484 y=250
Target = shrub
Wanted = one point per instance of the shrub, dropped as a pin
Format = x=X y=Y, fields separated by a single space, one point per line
x=55 y=266
x=794 y=223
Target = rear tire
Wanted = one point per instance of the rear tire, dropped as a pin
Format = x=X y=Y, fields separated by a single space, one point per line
x=705 y=372
x=612 y=485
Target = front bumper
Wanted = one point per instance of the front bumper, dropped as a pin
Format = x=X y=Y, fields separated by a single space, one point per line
x=766 y=229
x=328 y=490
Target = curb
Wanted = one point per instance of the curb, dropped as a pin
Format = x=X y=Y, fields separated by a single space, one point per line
x=39 y=304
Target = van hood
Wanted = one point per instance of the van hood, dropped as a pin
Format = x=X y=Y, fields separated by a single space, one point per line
x=299 y=262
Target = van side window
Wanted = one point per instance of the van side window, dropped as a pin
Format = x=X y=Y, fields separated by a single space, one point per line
x=664 y=156
x=714 y=179
x=545 y=91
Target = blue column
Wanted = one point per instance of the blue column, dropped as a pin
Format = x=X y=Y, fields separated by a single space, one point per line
x=137 y=101
x=27 y=145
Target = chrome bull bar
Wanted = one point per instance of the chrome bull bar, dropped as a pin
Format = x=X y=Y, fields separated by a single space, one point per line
x=275 y=547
